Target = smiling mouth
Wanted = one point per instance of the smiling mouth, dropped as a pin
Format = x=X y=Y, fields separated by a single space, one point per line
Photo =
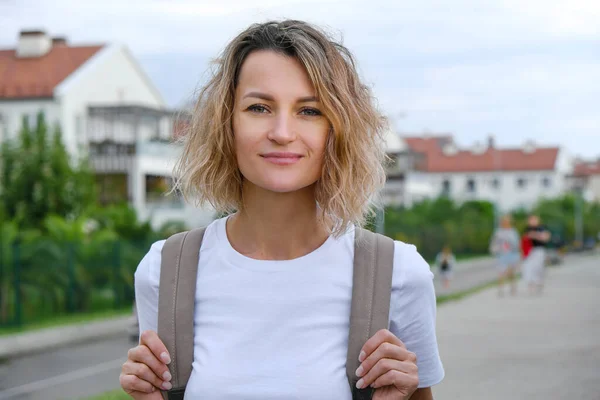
x=282 y=158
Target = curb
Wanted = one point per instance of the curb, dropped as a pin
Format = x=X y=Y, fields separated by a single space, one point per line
x=46 y=339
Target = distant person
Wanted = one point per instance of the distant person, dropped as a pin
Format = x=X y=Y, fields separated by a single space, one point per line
x=505 y=245
x=533 y=266
x=445 y=262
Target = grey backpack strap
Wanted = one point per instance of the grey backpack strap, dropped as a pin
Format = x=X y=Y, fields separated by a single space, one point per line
x=176 y=301
x=371 y=291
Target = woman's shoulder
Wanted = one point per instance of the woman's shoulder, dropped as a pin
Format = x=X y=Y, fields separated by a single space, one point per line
x=148 y=270
x=411 y=271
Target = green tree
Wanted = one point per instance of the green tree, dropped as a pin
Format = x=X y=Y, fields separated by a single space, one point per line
x=38 y=178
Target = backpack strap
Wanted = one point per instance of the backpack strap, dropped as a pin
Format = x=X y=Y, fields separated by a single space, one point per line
x=176 y=301
x=371 y=291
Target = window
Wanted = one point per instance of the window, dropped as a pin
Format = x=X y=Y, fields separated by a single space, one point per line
x=521 y=182
x=446 y=187
x=495 y=183
x=471 y=187
x=546 y=182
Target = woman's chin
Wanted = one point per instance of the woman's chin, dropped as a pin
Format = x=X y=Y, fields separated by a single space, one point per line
x=284 y=187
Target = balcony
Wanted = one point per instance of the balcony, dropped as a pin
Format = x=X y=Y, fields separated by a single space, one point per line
x=117 y=134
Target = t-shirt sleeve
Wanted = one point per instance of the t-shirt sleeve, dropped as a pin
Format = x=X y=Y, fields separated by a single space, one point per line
x=147 y=279
x=413 y=311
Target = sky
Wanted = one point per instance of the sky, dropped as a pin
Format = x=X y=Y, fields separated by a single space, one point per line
x=517 y=70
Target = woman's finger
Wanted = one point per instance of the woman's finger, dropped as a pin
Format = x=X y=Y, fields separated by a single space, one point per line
x=143 y=372
x=405 y=383
x=382 y=367
x=151 y=340
x=142 y=354
x=376 y=340
x=385 y=351
x=131 y=383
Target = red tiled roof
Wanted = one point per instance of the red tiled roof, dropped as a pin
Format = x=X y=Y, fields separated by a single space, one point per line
x=587 y=168
x=38 y=76
x=492 y=159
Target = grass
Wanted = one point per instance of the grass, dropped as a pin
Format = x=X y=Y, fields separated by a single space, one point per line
x=114 y=395
x=63 y=320
x=464 y=293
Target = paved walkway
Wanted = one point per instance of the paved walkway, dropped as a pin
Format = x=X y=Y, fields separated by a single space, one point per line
x=525 y=347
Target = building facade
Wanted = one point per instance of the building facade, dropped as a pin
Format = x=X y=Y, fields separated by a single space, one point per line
x=511 y=178
x=107 y=109
x=585 y=179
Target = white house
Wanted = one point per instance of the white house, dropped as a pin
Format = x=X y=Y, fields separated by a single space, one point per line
x=404 y=185
x=585 y=179
x=511 y=178
x=106 y=107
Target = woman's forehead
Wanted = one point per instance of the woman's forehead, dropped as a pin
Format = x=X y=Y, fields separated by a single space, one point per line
x=275 y=75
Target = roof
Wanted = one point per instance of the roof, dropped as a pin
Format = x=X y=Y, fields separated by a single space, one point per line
x=587 y=168
x=490 y=159
x=23 y=78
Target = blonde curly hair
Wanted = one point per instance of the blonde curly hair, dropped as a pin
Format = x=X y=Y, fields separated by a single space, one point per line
x=353 y=171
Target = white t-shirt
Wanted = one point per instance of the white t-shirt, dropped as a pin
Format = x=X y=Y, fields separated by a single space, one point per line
x=269 y=330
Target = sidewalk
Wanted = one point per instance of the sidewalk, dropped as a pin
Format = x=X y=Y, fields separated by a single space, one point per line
x=45 y=339
x=525 y=347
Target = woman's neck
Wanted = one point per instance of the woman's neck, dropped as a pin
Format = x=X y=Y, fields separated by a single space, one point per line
x=276 y=226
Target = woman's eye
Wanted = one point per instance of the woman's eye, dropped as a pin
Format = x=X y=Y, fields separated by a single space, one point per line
x=257 y=108
x=311 y=112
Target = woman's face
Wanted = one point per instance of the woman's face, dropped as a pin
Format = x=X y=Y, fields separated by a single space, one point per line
x=505 y=222
x=278 y=123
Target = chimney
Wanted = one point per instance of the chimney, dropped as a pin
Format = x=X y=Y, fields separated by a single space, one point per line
x=491 y=141
x=33 y=44
x=59 y=41
x=529 y=147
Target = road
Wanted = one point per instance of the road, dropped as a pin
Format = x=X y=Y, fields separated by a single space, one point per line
x=89 y=369
x=525 y=347
x=68 y=373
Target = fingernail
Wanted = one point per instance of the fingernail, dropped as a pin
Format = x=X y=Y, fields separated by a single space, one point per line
x=360 y=383
x=361 y=356
x=153 y=389
x=167 y=386
x=359 y=371
x=167 y=376
x=165 y=357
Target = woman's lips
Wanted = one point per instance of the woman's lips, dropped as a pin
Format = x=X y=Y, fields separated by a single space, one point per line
x=282 y=158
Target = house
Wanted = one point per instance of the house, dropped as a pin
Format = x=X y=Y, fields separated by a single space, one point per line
x=585 y=179
x=511 y=178
x=404 y=185
x=108 y=110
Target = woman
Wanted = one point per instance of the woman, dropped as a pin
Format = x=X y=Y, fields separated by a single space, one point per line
x=506 y=247
x=287 y=136
x=445 y=262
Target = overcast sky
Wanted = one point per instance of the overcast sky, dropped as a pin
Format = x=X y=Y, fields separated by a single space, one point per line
x=516 y=69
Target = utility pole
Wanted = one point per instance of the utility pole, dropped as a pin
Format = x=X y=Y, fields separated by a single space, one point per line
x=579 y=217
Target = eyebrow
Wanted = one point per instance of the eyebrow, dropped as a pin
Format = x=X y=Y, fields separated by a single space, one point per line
x=267 y=97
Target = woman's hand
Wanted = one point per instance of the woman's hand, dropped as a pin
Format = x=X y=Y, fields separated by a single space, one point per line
x=388 y=366
x=145 y=372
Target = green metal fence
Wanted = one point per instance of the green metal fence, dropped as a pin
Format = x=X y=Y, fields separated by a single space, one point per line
x=41 y=279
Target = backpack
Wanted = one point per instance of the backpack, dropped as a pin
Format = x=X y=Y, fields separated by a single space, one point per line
x=371 y=289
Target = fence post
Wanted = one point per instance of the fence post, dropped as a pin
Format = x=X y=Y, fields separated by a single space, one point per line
x=2 y=285
x=17 y=283
x=116 y=268
x=71 y=274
